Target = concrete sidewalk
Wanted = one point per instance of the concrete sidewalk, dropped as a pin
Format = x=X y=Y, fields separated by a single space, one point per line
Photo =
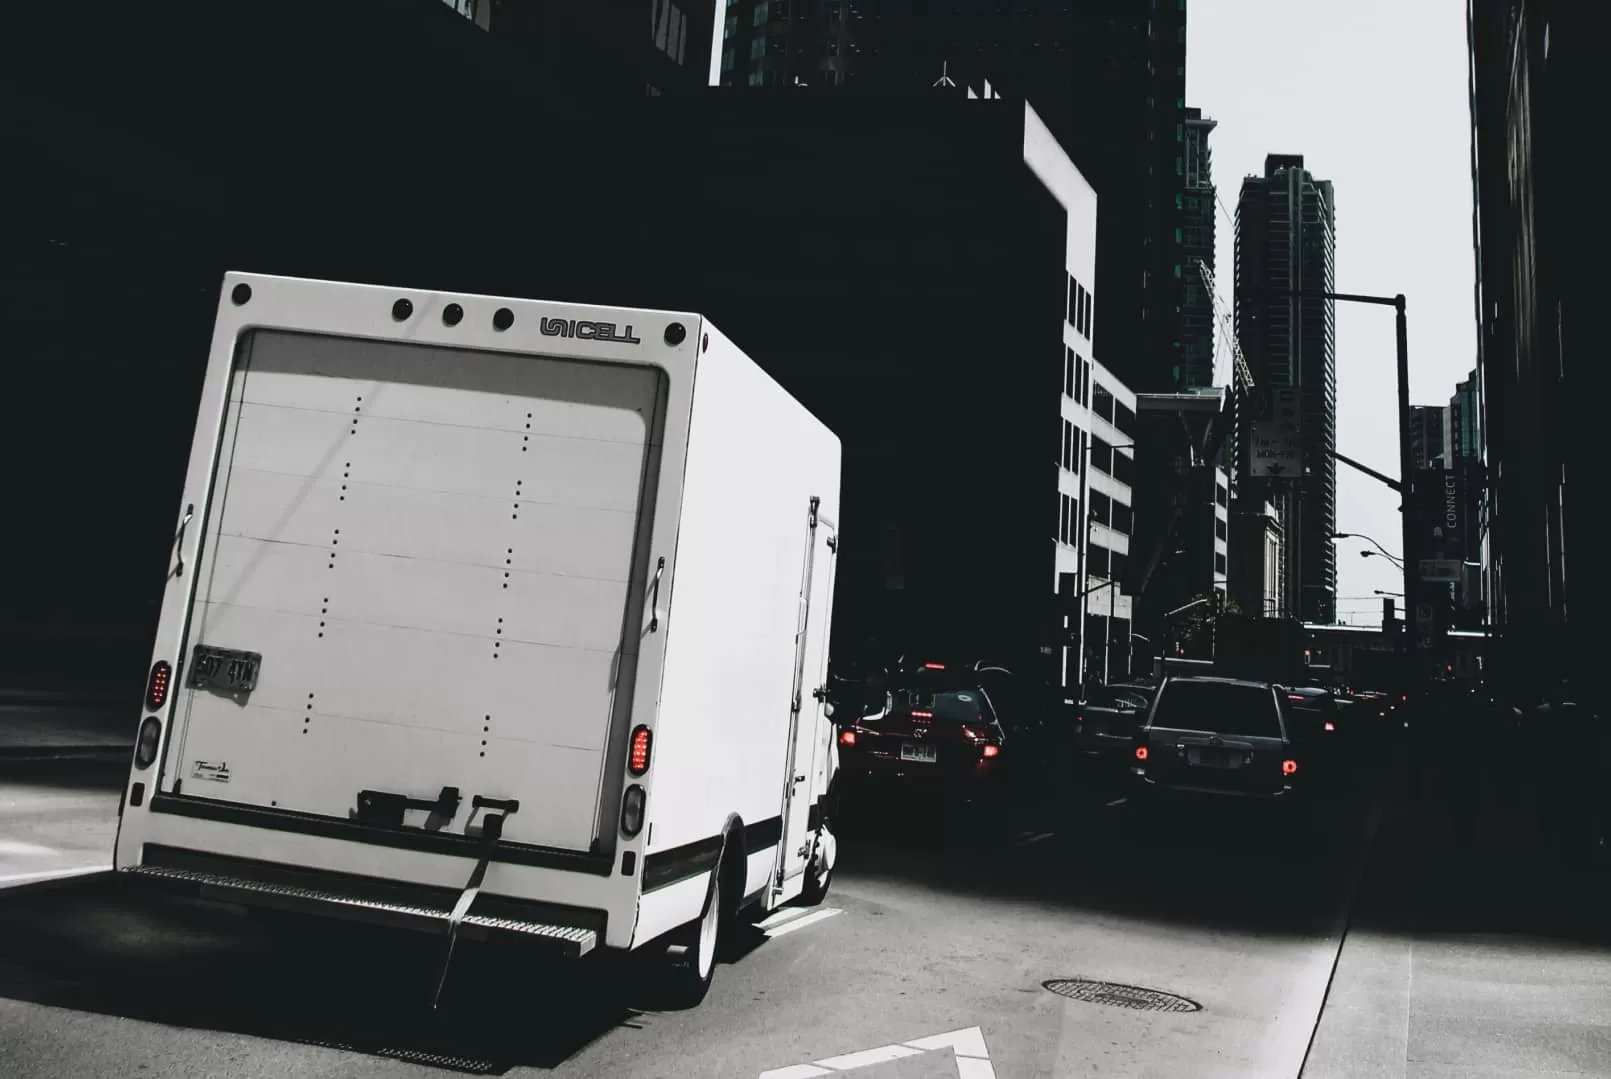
x=1477 y=957
x=46 y=731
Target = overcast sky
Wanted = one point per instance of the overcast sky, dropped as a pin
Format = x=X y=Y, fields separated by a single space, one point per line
x=1373 y=94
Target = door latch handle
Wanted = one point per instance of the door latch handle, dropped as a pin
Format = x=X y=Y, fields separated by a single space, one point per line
x=654 y=596
x=179 y=541
x=799 y=779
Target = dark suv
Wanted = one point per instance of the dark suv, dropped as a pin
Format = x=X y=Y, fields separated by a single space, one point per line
x=1216 y=738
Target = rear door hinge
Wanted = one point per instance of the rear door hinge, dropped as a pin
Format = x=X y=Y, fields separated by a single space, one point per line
x=816 y=501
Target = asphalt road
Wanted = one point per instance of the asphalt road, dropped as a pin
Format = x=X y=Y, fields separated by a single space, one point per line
x=927 y=931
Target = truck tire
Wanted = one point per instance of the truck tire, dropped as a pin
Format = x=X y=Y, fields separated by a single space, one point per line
x=692 y=966
x=819 y=874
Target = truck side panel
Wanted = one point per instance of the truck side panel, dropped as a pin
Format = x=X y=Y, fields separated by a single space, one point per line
x=756 y=458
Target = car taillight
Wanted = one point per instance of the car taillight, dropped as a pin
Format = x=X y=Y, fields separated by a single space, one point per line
x=847 y=738
x=632 y=811
x=145 y=747
x=934 y=666
x=1141 y=753
x=991 y=751
x=1289 y=767
x=922 y=715
x=638 y=758
x=1294 y=696
x=1330 y=726
x=156 y=688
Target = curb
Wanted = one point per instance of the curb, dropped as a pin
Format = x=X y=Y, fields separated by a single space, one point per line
x=52 y=880
x=46 y=754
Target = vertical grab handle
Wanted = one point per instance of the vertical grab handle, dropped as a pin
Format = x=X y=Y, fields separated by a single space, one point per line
x=654 y=596
x=179 y=541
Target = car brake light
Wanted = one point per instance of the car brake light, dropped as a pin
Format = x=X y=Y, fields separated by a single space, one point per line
x=847 y=738
x=1141 y=753
x=934 y=666
x=922 y=715
x=1294 y=696
x=991 y=751
x=156 y=690
x=1330 y=726
x=638 y=759
x=1289 y=766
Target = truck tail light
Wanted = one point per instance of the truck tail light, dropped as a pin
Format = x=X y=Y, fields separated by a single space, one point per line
x=1141 y=753
x=638 y=758
x=632 y=811
x=1289 y=767
x=156 y=687
x=989 y=751
x=847 y=738
x=145 y=747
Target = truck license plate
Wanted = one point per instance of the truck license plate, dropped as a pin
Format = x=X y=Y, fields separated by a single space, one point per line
x=920 y=752
x=225 y=669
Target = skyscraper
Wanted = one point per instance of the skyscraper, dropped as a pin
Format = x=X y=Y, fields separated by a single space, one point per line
x=1197 y=231
x=1109 y=80
x=1428 y=431
x=1285 y=246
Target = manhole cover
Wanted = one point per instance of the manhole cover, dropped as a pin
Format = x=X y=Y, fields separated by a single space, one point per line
x=1120 y=996
x=422 y=1057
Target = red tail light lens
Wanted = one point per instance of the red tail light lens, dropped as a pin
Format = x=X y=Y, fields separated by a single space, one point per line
x=156 y=688
x=638 y=759
x=934 y=666
x=1330 y=726
x=1294 y=696
x=847 y=738
x=1289 y=767
x=1141 y=753
x=922 y=715
x=991 y=751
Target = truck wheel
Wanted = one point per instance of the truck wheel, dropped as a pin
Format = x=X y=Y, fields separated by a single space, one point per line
x=819 y=874
x=693 y=963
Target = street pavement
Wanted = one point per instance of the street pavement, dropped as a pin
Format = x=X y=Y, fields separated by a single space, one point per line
x=930 y=957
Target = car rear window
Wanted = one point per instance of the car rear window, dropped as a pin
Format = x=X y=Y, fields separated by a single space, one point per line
x=945 y=706
x=1220 y=707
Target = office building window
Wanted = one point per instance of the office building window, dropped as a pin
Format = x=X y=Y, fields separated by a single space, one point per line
x=1102 y=402
x=757 y=50
x=1073 y=302
x=1101 y=507
x=1124 y=419
x=1219 y=562
x=1116 y=563
x=1124 y=469
x=1221 y=495
x=1096 y=560
x=1070 y=363
x=1123 y=518
x=1068 y=445
x=1220 y=528
x=759 y=18
x=1101 y=455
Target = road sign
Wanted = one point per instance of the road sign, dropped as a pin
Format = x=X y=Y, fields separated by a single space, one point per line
x=1440 y=570
x=1277 y=450
x=967 y=1046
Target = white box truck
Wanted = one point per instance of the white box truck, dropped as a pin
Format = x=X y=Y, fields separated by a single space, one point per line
x=492 y=616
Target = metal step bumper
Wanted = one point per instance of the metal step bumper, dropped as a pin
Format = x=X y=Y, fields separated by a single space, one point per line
x=262 y=885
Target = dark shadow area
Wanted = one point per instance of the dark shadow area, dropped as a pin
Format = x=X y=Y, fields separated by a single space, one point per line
x=1236 y=869
x=71 y=774
x=95 y=946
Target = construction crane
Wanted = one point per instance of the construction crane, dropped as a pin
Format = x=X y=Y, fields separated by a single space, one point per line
x=1244 y=374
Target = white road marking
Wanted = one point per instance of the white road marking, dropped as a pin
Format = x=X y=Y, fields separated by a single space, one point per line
x=782 y=917
x=1116 y=802
x=12 y=880
x=967 y=1045
x=800 y=923
x=1032 y=838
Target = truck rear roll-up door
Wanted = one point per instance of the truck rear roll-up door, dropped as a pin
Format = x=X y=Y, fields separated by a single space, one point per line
x=433 y=552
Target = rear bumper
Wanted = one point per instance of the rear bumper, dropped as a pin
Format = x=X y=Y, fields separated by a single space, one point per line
x=1152 y=789
x=267 y=886
x=406 y=879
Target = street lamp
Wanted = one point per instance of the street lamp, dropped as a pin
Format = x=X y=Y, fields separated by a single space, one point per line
x=1406 y=452
x=1368 y=539
x=1111 y=586
x=1396 y=595
x=1399 y=562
